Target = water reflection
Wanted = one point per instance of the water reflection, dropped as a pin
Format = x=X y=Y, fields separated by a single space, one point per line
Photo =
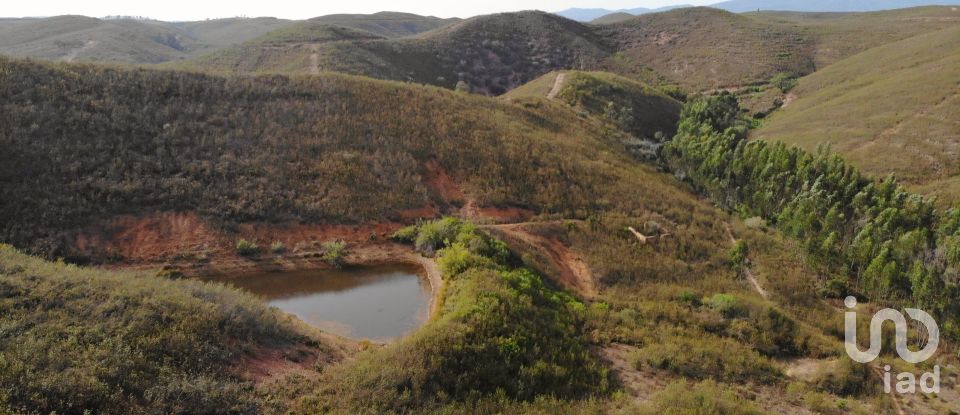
x=378 y=303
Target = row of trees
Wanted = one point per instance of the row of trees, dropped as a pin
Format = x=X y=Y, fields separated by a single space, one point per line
x=891 y=245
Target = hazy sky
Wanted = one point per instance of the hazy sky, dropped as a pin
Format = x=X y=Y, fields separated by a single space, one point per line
x=302 y=9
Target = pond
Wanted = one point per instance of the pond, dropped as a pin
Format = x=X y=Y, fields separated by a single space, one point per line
x=378 y=303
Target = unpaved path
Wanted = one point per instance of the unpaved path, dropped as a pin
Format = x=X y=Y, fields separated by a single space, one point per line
x=570 y=268
x=746 y=270
x=557 y=85
x=73 y=54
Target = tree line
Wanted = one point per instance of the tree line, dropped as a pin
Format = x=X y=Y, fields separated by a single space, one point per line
x=887 y=244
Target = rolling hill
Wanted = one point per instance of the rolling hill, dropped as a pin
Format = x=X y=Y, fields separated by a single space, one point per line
x=489 y=54
x=78 y=38
x=632 y=106
x=702 y=48
x=887 y=110
x=387 y=24
x=126 y=40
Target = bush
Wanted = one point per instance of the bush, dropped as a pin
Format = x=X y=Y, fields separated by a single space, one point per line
x=739 y=256
x=406 y=234
x=247 y=248
x=278 y=247
x=726 y=304
x=334 y=253
x=457 y=258
x=435 y=235
x=784 y=82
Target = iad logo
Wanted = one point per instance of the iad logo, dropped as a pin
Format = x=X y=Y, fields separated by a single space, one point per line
x=906 y=381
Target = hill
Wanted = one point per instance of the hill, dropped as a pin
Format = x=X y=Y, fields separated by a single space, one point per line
x=612 y=18
x=120 y=342
x=632 y=106
x=78 y=38
x=590 y=15
x=702 y=48
x=489 y=54
x=741 y=6
x=841 y=35
x=887 y=110
x=387 y=24
x=219 y=33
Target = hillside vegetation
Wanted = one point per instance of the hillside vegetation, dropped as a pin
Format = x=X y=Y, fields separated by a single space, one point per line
x=838 y=36
x=328 y=148
x=702 y=48
x=80 y=340
x=632 y=106
x=891 y=109
x=78 y=38
x=387 y=24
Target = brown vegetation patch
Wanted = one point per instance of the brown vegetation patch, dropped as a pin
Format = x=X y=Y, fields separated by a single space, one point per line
x=441 y=184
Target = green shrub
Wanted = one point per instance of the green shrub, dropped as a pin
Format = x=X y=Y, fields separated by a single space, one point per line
x=434 y=235
x=739 y=256
x=278 y=247
x=406 y=234
x=456 y=258
x=726 y=304
x=784 y=82
x=334 y=253
x=247 y=248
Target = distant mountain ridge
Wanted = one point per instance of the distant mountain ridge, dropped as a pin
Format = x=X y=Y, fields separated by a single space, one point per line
x=586 y=15
x=741 y=6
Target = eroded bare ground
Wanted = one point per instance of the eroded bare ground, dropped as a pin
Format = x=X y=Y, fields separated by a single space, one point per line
x=561 y=263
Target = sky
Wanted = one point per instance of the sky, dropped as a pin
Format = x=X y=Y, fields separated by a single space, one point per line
x=181 y=10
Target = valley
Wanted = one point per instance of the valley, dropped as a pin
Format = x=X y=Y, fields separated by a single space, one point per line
x=511 y=213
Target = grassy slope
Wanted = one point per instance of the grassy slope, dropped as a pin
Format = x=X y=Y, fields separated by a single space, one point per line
x=613 y=18
x=888 y=110
x=632 y=106
x=88 y=39
x=387 y=24
x=287 y=50
x=126 y=342
x=220 y=33
x=841 y=35
x=701 y=48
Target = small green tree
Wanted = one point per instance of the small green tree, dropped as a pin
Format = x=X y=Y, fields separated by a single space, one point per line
x=739 y=256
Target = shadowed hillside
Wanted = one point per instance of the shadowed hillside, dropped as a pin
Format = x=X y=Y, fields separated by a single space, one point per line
x=888 y=110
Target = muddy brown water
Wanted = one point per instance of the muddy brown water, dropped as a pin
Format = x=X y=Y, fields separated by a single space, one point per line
x=379 y=303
